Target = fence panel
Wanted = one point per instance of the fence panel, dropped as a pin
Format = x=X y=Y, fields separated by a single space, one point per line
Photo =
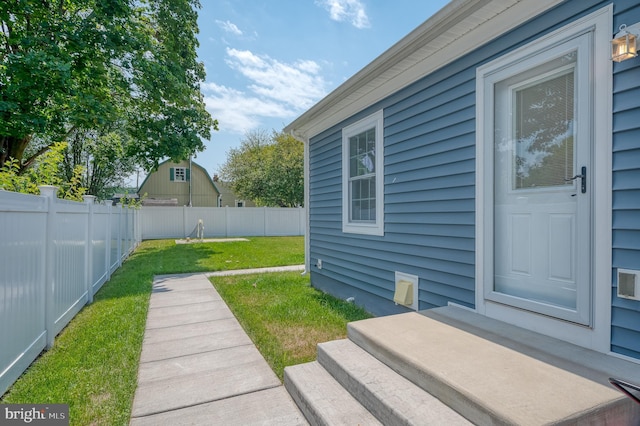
x=131 y=230
x=161 y=222
x=100 y=240
x=123 y=235
x=181 y=222
x=245 y=222
x=23 y=227
x=54 y=255
x=213 y=219
x=69 y=239
x=284 y=222
x=115 y=240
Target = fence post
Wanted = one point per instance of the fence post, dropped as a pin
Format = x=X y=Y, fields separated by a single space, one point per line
x=119 y=240
x=50 y=280
x=88 y=248
x=226 y=221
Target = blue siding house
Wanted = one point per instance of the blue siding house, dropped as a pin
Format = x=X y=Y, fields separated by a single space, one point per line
x=490 y=160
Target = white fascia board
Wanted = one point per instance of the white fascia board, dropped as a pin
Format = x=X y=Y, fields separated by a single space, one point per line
x=461 y=26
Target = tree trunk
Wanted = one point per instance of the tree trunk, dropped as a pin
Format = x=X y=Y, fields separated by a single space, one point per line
x=13 y=147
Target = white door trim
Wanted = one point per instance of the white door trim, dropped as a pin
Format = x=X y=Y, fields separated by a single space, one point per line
x=598 y=336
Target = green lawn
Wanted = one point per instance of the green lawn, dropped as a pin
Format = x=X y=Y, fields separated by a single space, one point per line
x=94 y=362
x=284 y=316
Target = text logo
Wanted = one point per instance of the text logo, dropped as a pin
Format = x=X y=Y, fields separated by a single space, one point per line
x=34 y=414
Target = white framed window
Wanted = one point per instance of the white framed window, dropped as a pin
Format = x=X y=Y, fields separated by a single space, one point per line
x=179 y=174
x=363 y=176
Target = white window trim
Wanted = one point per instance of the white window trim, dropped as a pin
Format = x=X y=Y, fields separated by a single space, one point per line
x=597 y=337
x=184 y=174
x=377 y=228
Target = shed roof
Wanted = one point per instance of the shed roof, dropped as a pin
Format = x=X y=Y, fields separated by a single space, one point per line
x=193 y=164
x=459 y=27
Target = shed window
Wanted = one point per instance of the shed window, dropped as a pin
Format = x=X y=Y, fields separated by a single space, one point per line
x=179 y=174
x=362 y=176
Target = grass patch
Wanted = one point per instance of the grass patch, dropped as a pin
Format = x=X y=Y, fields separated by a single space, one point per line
x=284 y=316
x=94 y=362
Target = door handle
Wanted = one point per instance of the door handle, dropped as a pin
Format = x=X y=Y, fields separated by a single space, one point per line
x=583 y=179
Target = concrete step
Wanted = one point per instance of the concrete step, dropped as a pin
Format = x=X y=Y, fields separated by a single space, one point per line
x=321 y=399
x=494 y=373
x=391 y=398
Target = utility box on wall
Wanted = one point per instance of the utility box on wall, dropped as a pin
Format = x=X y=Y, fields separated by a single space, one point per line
x=629 y=284
x=406 y=290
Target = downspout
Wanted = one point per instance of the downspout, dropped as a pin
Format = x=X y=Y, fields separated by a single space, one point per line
x=190 y=179
x=307 y=244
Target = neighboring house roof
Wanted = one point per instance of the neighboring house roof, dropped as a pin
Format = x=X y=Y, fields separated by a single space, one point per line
x=224 y=189
x=227 y=195
x=459 y=27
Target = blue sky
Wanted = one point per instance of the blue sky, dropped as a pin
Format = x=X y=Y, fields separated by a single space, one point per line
x=269 y=61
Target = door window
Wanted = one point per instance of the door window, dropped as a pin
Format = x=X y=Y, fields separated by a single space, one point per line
x=543 y=112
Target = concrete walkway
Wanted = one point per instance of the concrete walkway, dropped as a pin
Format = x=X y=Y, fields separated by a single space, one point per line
x=198 y=366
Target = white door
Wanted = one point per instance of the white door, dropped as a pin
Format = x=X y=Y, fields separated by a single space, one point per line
x=542 y=208
x=543 y=244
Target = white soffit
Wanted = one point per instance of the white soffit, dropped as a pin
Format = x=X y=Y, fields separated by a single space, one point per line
x=461 y=26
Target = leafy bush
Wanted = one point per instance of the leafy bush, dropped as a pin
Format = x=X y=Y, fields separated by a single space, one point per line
x=45 y=172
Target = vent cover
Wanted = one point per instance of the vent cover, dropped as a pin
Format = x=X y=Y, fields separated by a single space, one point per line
x=629 y=284
x=406 y=286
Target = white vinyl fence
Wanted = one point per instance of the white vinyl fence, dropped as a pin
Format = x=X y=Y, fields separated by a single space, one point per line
x=54 y=256
x=182 y=222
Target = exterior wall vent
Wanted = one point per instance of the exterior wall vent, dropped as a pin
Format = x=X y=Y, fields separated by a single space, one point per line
x=629 y=284
x=406 y=290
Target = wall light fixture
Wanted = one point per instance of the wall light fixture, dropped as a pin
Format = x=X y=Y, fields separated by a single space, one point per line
x=623 y=45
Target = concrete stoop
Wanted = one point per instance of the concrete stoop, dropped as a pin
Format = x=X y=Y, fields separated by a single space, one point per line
x=452 y=366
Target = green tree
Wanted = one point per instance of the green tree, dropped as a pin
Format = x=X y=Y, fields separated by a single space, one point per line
x=268 y=169
x=89 y=65
x=169 y=117
x=285 y=171
x=102 y=157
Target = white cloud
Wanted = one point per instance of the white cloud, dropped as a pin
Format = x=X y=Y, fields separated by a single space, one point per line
x=347 y=10
x=238 y=112
x=273 y=89
x=297 y=85
x=308 y=66
x=229 y=27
